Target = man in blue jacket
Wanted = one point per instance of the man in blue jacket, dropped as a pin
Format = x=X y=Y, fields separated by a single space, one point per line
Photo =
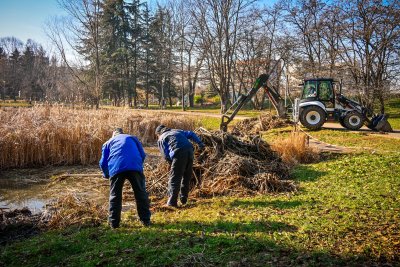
x=122 y=158
x=176 y=148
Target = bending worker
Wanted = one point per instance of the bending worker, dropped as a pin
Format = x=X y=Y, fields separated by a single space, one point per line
x=176 y=148
x=122 y=158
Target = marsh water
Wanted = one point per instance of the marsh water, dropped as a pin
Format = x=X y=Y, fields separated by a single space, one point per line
x=34 y=188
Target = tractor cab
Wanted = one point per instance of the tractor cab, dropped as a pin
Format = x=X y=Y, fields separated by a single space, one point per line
x=321 y=89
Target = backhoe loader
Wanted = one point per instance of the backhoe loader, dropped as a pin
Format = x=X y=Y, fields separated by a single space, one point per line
x=318 y=103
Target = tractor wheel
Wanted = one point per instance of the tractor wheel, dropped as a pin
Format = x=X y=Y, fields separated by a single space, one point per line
x=312 y=117
x=341 y=121
x=353 y=120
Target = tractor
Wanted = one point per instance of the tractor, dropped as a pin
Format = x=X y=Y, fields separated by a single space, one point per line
x=318 y=103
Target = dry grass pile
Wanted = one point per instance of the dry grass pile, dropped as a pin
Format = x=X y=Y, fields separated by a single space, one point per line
x=263 y=122
x=71 y=210
x=229 y=165
x=232 y=165
x=294 y=149
x=42 y=136
x=157 y=179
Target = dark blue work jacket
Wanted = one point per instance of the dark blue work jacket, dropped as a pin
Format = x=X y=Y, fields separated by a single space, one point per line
x=172 y=141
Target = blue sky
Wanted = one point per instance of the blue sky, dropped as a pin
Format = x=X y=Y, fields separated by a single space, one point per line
x=25 y=19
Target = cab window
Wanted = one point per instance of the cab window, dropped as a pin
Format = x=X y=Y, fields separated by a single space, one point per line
x=310 y=89
x=325 y=90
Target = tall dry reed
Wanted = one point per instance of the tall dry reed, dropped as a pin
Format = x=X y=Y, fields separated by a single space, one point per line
x=294 y=149
x=41 y=136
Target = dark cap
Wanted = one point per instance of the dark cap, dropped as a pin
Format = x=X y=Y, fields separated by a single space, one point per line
x=160 y=128
x=117 y=131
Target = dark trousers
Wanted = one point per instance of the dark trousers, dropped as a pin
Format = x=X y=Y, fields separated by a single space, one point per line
x=181 y=167
x=138 y=184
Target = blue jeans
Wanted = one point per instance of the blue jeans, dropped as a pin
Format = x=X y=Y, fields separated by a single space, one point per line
x=179 y=177
x=138 y=184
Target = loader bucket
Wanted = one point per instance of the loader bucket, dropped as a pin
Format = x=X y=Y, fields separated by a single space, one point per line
x=380 y=123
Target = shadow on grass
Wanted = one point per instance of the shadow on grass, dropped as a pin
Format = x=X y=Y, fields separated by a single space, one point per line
x=261 y=204
x=304 y=173
x=221 y=226
x=182 y=243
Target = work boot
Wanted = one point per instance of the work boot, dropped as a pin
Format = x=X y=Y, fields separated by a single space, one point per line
x=114 y=226
x=183 y=200
x=172 y=203
x=146 y=223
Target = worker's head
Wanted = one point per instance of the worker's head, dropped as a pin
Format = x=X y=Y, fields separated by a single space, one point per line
x=161 y=129
x=117 y=131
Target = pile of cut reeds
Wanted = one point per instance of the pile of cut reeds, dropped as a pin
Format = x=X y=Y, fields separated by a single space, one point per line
x=263 y=122
x=234 y=165
x=229 y=165
x=41 y=136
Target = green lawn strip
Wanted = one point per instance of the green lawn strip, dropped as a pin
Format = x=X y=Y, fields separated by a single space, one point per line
x=392 y=107
x=346 y=211
x=362 y=140
x=395 y=123
x=15 y=104
x=209 y=123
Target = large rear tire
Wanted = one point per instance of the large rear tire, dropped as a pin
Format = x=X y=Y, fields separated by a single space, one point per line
x=353 y=120
x=312 y=117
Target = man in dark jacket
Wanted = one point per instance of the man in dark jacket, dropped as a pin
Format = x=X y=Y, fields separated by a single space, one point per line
x=122 y=158
x=176 y=148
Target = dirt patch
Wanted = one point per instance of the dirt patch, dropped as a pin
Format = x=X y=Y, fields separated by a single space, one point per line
x=18 y=224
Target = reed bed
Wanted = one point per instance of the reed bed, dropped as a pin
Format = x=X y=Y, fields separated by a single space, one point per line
x=41 y=136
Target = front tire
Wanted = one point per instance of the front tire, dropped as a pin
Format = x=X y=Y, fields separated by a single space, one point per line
x=341 y=121
x=313 y=117
x=353 y=120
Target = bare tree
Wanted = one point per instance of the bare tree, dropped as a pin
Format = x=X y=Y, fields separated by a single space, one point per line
x=80 y=32
x=371 y=31
x=219 y=23
x=306 y=20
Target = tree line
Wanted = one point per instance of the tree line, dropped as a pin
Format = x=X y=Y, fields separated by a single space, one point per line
x=27 y=72
x=127 y=52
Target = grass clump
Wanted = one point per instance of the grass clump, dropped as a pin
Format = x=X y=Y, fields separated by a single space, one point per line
x=294 y=149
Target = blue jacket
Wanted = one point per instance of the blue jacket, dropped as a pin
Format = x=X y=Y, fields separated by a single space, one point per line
x=172 y=141
x=122 y=153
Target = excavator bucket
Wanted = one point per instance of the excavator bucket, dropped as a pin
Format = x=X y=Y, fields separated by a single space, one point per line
x=380 y=123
